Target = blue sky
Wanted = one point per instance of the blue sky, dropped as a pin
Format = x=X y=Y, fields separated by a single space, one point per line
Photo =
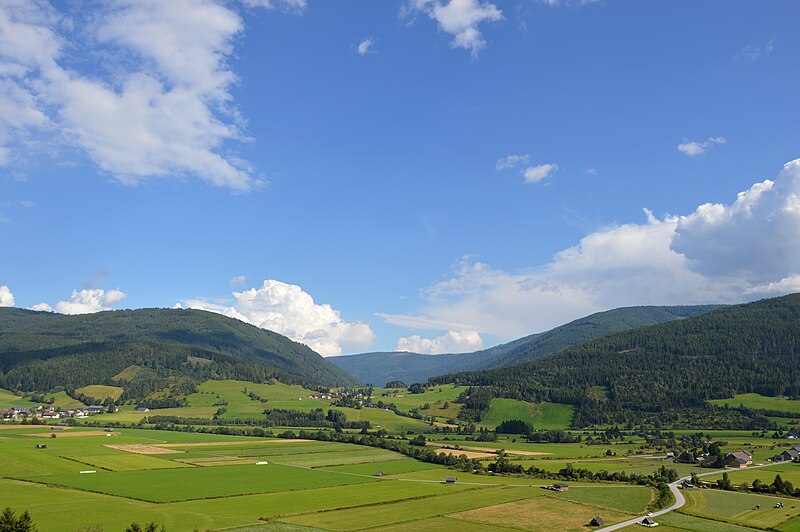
x=430 y=175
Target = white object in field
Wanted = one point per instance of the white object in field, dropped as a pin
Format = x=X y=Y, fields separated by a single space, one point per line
x=262 y=463
x=88 y=471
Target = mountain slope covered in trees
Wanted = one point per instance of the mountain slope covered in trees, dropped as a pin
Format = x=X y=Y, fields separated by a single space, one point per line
x=379 y=368
x=674 y=366
x=171 y=348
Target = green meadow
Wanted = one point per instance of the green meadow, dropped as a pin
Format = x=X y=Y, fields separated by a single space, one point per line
x=761 y=402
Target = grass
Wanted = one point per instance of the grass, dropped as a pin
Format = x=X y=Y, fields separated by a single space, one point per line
x=101 y=392
x=540 y=513
x=127 y=374
x=389 y=514
x=392 y=467
x=739 y=508
x=789 y=471
x=760 y=402
x=442 y=523
x=9 y=399
x=166 y=485
x=64 y=401
x=408 y=401
x=553 y=416
x=677 y=521
x=505 y=409
x=627 y=499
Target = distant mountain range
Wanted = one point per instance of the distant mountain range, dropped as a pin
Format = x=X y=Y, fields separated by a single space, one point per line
x=663 y=373
x=380 y=368
x=171 y=349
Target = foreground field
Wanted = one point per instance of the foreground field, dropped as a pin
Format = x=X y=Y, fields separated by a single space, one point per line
x=210 y=481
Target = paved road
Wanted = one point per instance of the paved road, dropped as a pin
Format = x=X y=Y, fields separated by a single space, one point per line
x=680 y=500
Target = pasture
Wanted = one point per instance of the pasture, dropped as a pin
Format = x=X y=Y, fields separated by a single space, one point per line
x=213 y=481
x=505 y=409
x=760 y=402
x=740 y=508
x=210 y=481
x=101 y=392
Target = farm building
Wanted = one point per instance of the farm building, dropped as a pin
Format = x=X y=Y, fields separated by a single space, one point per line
x=142 y=409
x=560 y=487
x=739 y=459
x=648 y=521
x=685 y=458
x=378 y=473
x=450 y=480
x=597 y=521
x=787 y=456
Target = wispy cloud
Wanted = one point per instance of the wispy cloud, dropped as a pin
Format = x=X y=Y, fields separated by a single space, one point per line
x=365 y=46
x=511 y=161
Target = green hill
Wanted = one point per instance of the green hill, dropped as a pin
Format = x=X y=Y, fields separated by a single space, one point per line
x=662 y=371
x=380 y=368
x=154 y=350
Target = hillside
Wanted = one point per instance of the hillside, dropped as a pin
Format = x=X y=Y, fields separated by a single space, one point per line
x=670 y=367
x=148 y=350
x=380 y=368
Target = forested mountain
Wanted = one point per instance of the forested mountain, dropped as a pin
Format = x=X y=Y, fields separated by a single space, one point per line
x=172 y=348
x=672 y=366
x=379 y=368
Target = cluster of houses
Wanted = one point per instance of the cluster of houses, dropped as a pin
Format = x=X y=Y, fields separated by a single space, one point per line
x=18 y=413
x=791 y=455
x=737 y=460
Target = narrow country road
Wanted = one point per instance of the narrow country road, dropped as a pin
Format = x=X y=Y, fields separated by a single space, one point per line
x=680 y=500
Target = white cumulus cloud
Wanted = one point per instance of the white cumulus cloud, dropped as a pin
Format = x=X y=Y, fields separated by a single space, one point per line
x=288 y=310
x=451 y=342
x=724 y=253
x=534 y=174
x=88 y=301
x=6 y=297
x=460 y=18
x=693 y=148
x=158 y=105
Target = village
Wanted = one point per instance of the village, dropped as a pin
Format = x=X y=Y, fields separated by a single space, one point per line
x=47 y=413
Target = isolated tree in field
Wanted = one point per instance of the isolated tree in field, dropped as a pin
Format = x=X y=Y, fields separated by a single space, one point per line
x=9 y=522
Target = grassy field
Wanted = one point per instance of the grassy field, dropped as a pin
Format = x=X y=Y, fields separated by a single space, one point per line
x=213 y=481
x=760 y=402
x=101 y=392
x=540 y=513
x=739 y=508
x=789 y=471
x=9 y=399
x=553 y=416
x=504 y=409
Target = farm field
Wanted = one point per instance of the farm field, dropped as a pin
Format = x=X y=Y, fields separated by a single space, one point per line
x=212 y=481
x=9 y=399
x=760 y=402
x=504 y=409
x=553 y=416
x=740 y=508
x=101 y=392
x=789 y=471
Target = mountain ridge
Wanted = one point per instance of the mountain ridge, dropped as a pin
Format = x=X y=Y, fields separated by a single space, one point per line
x=380 y=367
